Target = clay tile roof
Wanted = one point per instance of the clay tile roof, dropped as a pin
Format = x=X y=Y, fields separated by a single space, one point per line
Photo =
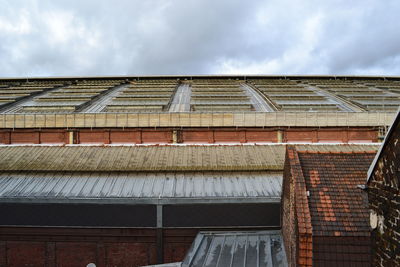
x=337 y=206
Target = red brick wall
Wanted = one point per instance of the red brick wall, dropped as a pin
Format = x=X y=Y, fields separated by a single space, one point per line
x=156 y=136
x=55 y=137
x=384 y=202
x=360 y=135
x=125 y=137
x=129 y=254
x=5 y=137
x=197 y=136
x=296 y=219
x=25 y=137
x=289 y=223
x=20 y=253
x=71 y=254
x=64 y=247
x=189 y=135
x=331 y=135
x=93 y=137
x=301 y=135
x=177 y=243
x=268 y=136
x=225 y=136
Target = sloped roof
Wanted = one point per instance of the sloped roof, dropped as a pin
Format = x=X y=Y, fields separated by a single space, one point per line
x=330 y=205
x=154 y=158
x=140 y=188
x=337 y=206
x=141 y=158
x=242 y=249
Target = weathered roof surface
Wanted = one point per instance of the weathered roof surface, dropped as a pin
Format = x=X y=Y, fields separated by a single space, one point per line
x=154 y=158
x=252 y=249
x=338 y=148
x=329 y=206
x=141 y=158
x=199 y=101
x=337 y=206
x=140 y=188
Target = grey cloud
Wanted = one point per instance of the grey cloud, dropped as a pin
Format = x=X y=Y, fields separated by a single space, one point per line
x=87 y=37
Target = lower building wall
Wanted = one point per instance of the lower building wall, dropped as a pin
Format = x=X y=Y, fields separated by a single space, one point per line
x=105 y=247
x=384 y=203
x=79 y=247
x=188 y=135
x=177 y=242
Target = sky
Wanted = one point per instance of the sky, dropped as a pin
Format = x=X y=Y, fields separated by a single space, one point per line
x=189 y=37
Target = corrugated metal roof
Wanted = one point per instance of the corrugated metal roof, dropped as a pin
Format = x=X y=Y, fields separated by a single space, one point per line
x=239 y=249
x=173 y=264
x=155 y=158
x=139 y=187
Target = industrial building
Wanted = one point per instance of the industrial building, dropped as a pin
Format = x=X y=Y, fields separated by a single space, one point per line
x=189 y=170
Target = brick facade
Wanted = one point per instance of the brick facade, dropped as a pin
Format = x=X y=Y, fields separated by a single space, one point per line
x=384 y=201
x=296 y=219
x=46 y=246
x=188 y=135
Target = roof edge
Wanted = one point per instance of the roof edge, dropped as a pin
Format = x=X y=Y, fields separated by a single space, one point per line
x=212 y=76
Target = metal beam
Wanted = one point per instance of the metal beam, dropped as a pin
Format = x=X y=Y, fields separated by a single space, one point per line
x=160 y=240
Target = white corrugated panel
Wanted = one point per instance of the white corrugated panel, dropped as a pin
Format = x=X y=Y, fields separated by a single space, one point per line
x=141 y=187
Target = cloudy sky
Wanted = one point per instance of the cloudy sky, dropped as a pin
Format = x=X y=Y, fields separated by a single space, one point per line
x=142 y=37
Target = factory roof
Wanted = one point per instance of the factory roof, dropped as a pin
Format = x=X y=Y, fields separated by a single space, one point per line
x=156 y=158
x=159 y=101
x=140 y=188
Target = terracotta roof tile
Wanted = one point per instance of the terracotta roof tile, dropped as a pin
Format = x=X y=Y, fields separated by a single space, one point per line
x=337 y=206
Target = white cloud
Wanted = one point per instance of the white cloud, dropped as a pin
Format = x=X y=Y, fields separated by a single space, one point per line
x=104 y=37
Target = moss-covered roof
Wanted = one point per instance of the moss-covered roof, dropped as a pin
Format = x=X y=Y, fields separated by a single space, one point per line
x=154 y=158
